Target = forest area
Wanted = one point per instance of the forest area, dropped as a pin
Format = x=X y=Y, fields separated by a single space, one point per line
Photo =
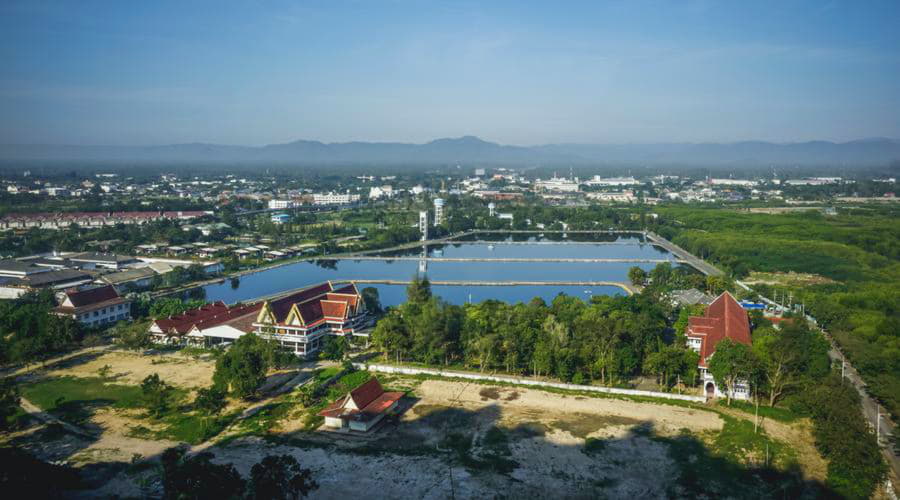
x=856 y=251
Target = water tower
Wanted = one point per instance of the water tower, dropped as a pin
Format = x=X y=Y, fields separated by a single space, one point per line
x=491 y=208
x=438 y=211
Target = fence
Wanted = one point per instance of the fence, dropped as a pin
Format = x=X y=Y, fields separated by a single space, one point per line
x=407 y=370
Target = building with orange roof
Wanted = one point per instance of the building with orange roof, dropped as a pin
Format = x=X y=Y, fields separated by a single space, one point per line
x=724 y=319
x=362 y=408
x=300 y=321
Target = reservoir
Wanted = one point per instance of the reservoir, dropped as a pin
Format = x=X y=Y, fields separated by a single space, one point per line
x=487 y=246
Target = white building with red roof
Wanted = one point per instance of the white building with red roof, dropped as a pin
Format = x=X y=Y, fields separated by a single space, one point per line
x=362 y=408
x=724 y=319
x=210 y=324
x=96 y=306
x=300 y=321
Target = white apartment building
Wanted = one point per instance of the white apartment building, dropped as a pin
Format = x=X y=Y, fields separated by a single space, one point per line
x=334 y=198
x=612 y=181
x=281 y=204
x=557 y=185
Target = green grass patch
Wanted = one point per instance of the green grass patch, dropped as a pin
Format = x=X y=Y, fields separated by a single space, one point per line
x=74 y=399
x=774 y=413
x=326 y=373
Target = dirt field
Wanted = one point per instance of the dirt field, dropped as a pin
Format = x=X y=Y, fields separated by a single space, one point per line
x=131 y=368
x=451 y=439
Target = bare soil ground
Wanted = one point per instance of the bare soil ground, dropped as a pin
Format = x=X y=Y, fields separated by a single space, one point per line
x=131 y=368
x=791 y=279
x=453 y=439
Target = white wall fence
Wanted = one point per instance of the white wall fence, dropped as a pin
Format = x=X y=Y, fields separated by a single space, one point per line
x=406 y=370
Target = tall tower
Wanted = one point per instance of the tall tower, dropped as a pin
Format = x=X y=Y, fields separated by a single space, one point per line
x=438 y=211
x=491 y=208
x=423 y=224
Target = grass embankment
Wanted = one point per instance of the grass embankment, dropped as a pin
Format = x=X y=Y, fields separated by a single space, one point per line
x=74 y=399
x=77 y=399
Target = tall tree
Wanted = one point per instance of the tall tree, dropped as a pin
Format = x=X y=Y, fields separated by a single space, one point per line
x=637 y=276
x=732 y=362
x=242 y=368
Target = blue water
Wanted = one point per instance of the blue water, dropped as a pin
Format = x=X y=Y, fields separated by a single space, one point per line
x=303 y=274
x=392 y=295
x=536 y=251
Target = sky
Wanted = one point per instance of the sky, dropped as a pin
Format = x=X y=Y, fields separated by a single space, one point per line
x=261 y=72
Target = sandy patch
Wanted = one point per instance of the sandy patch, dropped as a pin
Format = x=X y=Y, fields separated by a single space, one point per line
x=131 y=368
x=517 y=404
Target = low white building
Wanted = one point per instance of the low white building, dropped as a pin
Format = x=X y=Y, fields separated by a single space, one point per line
x=94 y=306
x=378 y=192
x=612 y=181
x=281 y=204
x=334 y=198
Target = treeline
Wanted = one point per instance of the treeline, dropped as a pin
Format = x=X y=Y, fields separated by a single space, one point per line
x=29 y=331
x=607 y=340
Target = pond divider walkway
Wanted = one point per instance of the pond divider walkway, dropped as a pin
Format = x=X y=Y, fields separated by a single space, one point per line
x=409 y=370
x=625 y=286
x=497 y=259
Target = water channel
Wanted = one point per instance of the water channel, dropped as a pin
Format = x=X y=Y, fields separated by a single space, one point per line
x=485 y=246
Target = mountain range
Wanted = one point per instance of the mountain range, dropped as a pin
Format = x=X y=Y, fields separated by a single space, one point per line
x=471 y=150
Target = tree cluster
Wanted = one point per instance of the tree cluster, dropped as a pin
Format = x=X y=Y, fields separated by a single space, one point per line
x=29 y=331
x=277 y=477
x=606 y=340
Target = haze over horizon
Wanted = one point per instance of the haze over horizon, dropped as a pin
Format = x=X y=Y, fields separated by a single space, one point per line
x=134 y=74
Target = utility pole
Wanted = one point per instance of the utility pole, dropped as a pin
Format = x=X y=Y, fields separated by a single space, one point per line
x=878 y=424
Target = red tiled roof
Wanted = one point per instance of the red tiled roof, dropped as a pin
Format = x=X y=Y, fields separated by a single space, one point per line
x=210 y=315
x=282 y=306
x=366 y=393
x=183 y=322
x=81 y=298
x=317 y=304
x=725 y=318
x=370 y=400
x=334 y=309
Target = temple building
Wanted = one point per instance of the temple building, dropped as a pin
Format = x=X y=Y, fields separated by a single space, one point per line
x=724 y=318
x=362 y=408
x=297 y=321
x=300 y=321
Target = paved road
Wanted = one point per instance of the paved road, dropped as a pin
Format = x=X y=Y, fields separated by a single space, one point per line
x=698 y=263
x=872 y=411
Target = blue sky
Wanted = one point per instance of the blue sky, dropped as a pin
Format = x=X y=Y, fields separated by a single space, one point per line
x=259 y=72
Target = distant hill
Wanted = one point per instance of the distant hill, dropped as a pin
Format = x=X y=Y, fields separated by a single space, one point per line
x=472 y=150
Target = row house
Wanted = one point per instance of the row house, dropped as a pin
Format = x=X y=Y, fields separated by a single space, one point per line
x=62 y=220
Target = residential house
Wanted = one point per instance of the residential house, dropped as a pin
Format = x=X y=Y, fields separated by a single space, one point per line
x=724 y=319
